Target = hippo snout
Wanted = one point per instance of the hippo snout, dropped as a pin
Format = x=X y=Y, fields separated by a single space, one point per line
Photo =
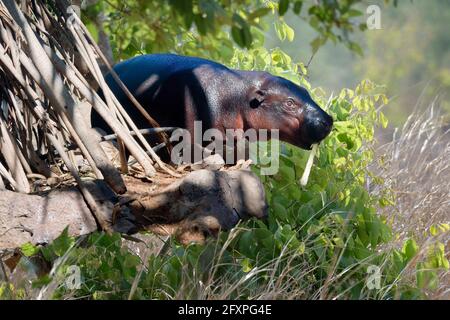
x=318 y=125
x=324 y=125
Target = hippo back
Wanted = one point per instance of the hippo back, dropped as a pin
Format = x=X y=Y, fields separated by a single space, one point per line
x=158 y=82
x=146 y=72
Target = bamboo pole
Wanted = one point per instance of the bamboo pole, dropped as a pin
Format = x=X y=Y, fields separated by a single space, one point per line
x=14 y=164
x=52 y=85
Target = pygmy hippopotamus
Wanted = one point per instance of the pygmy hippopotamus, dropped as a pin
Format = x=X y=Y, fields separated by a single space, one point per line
x=178 y=90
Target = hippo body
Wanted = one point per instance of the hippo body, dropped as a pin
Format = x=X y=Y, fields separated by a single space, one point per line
x=177 y=90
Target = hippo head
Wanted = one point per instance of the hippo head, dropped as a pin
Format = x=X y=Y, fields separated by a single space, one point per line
x=277 y=103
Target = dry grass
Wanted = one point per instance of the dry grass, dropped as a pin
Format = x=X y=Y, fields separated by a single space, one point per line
x=415 y=167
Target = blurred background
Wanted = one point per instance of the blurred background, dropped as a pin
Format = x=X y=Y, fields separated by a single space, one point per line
x=410 y=55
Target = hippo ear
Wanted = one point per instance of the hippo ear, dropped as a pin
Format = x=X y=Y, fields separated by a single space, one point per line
x=257 y=98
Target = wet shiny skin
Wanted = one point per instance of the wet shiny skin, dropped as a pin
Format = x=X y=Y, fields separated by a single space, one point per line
x=177 y=90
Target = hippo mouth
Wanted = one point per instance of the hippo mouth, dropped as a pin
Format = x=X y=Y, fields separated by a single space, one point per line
x=315 y=136
x=300 y=142
x=306 y=146
x=310 y=141
x=313 y=132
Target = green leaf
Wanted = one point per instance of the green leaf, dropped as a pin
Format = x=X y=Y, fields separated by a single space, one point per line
x=246 y=244
x=260 y=12
x=280 y=30
x=28 y=249
x=354 y=13
x=188 y=19
x=410 y=249
x=383 y=120
x=289 y=33
x=283 y=6
x=436 y=229
x=59 y=246
x=353 y=46
x=298 y=7
x=426 y=278
x=246 y=265
x=237 y=35
x=247 y=36
x=42 y=281
x=317 y=43
x=265 y=237
x=200 y=23
x=279 y=211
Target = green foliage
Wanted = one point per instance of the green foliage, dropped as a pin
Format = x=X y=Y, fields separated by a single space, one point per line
x=9 y=292
x=28 y=249
x=210 y=28
x=58 y=247
x=334 y=215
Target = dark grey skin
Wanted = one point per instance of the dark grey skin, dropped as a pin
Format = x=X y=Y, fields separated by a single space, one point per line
x=177 y=90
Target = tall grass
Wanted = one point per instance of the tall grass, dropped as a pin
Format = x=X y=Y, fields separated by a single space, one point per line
x=415 y=167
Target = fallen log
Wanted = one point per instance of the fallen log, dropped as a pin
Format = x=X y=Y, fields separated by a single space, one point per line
x=39 y=219
x=193 y=207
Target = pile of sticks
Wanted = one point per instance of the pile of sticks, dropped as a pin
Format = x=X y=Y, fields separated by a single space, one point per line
x=49 y=74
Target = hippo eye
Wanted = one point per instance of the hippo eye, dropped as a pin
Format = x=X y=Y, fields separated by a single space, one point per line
x=290 y=103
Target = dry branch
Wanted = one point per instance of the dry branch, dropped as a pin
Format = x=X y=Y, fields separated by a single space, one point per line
x=53 y=86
